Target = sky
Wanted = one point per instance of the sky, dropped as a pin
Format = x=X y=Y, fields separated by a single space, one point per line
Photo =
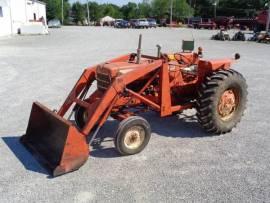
x=117 y=2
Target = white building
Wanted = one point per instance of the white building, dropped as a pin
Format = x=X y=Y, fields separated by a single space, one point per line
x=14 y=14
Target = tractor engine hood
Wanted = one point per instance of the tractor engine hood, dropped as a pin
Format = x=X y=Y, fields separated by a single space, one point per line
x=106 y=73
x=115 y=69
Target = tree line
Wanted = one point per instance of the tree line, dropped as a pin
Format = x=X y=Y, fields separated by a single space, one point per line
x=159 y=9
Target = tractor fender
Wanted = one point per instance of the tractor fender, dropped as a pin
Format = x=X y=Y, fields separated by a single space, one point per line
x=214 y=65
x=207 y=67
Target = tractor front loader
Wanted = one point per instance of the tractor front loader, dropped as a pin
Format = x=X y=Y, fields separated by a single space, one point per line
x=126 y=86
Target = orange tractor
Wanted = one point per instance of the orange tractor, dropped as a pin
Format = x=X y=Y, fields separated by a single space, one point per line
x=126 y=86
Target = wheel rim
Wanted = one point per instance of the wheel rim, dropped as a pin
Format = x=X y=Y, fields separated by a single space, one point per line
x=134 y=137
x=228 y=104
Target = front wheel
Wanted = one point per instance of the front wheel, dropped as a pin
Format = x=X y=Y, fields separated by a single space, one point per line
x=221 y=101
x=81 y=117
x=132 y=136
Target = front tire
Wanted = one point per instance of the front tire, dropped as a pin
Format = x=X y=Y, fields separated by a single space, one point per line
x=221 y=101
x=132 y=136
x=81 y=117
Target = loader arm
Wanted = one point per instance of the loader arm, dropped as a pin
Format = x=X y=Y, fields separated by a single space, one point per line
x=117 y=88
x=85 y=81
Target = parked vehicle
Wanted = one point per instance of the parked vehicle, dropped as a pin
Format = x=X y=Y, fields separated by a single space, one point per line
x=122 y=24
x=142 y=23
x=239 y=36
x=194 y=22
x=254 y=37
x=222 y=35
x=163 y=22
x=257 y=23
x=261 y=37
x=223 y=22
x=264 y=37
x=261 y=20
x=244 y=23
x=207 y=24
x=132 y=23
x=116 y=22
x=152 y=23
x=54 y=23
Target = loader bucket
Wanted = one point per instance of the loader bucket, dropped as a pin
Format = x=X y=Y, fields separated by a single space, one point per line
x=54 y=141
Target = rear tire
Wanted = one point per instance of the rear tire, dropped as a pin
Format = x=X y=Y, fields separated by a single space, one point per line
x=221 y=101
x=132 y=136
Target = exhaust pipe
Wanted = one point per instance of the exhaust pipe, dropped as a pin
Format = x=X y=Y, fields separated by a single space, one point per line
x=158 y=50
x=139 y=50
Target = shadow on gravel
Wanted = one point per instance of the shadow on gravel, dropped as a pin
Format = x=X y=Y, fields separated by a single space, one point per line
x=101 y=152
x=184 y=126
x=105 y=135
x=23 y=155
x=181 y=126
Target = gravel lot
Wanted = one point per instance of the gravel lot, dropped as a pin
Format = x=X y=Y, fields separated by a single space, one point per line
x=181 y=162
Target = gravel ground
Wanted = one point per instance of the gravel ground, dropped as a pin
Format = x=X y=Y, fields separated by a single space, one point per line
x=181 y=162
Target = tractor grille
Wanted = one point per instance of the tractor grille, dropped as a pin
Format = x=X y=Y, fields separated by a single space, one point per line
x=103 y=81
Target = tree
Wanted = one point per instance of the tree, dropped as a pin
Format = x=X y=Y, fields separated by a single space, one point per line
x=96 y=12
x=203 y=8
x=78 y=12
x=130 y=11
x=181 y=9
x=242 y=4
x=160 y=8
x=144 y=10
x=54 y=9
x=237 y=8
x=111 y=10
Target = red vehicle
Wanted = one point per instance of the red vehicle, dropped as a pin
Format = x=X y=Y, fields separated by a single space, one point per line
x=207 y=24
x=127 y=85
x=244 y=23
x=262 y=20
x=257 y=23
x=223 y=21
x=194 y=22
x=201 y=23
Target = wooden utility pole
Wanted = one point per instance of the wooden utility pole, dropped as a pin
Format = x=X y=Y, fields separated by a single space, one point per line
x=268 y=17
x=62 y=12
x=171 y=13
x=215 y=9
x=190 y=4
x=88 y=13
